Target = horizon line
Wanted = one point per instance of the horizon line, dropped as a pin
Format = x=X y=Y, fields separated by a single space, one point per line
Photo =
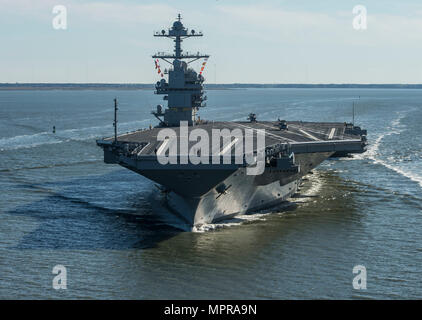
x=220 y=83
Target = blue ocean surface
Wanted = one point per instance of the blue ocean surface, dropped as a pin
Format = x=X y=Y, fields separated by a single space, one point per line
x=61 y=205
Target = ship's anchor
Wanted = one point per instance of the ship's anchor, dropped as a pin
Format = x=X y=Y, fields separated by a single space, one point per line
x=163 y=190
x=222 y=189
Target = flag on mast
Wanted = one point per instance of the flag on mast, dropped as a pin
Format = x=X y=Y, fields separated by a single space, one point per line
x=203 y=65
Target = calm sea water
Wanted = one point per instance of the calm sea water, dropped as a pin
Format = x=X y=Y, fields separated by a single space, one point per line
x=60 y=204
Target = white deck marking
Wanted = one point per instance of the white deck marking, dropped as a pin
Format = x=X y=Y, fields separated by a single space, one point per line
x=308 y=134
x=293 y=132
x=331 y=135
x=280 y=138
x=143 y=148
x=272 y=134
x=228 y=146
x=308 y=129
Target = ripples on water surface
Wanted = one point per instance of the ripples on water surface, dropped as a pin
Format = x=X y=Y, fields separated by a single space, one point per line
x=60 y=204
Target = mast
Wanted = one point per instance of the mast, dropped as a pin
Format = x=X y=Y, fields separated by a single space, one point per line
x=115 y=120
x=184 y=89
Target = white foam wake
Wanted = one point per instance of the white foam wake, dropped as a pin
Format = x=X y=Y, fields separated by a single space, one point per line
x=373 y=152
x=316 y=184
x=77 y=134
x=236 y=221
x=27 y=141
x=410 y=175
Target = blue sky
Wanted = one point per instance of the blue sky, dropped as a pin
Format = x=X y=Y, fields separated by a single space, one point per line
x=249 y=41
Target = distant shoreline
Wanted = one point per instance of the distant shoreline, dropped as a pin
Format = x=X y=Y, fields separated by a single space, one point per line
x=144 y=86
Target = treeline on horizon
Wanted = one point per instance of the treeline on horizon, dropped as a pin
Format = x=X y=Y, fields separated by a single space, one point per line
x=135 y=86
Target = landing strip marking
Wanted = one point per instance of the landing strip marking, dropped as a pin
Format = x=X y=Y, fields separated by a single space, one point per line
x=292 y=132
x=331 y=135
x=308 y=130
x=280 y=138
x=308 y=134
x=228 y=146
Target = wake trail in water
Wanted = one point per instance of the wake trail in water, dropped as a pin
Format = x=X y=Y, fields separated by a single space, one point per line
x=27 y=141
x=55 y=165
x=61 y=136
x=373 y=153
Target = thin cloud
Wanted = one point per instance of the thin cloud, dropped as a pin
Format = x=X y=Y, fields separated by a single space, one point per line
x=274 y=24
x=124 y=13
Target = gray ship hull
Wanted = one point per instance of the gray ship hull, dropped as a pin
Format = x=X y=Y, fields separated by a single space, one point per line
x=246 y=194
x=206 y=193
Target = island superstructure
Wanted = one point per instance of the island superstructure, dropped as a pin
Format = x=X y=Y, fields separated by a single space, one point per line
x=184 y=90
x=201 y=193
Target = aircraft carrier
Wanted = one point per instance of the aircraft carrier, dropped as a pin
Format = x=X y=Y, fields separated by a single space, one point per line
x=209 y=191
